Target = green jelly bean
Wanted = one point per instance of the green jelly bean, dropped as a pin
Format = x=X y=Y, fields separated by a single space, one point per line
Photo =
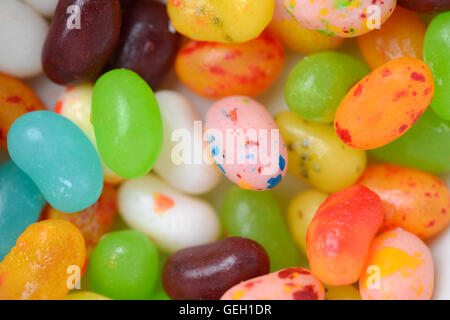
x=319 y=82
x=436 y=51
x=127 y=123
x=256 y=215
x=125 y=266
x=425 y=146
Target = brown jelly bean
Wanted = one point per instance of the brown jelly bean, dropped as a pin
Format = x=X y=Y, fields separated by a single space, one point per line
x=208 y=271
x=78 y=49
x=426 y=6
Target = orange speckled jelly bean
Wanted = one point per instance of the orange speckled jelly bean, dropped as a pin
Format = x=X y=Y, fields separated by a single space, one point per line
x=217 y=70
x=401 y=36
x=37 y=268
x=16 y=99
x=385 y=104
x=339 y=235
x=94 y=221
x=413 y=200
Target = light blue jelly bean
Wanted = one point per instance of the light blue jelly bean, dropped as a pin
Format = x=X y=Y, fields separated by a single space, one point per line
x=59 y=158
x=21 y=203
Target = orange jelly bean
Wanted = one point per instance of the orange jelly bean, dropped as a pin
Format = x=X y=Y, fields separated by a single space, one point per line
x=413 y=200
x=217 y=70
x=94 y=221
x=339 y=235
x=43 y=261
x=16 y=99
x=401 y=36
x=385 y=104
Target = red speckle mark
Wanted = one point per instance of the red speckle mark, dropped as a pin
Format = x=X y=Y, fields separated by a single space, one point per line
x=444 y=211
x=402 y=128
x=431 y=223
x=58 y=106
x=307 y=293
x=232 y=55
x=290 y=273
x=427 y=91
x=233 y=115
x=14 y=99
x=217 y=70
x=436 y=194
x=427 y=194
x=358 y=90
x=400 y=94
x=194 y=46
x=414 y=93
x=176 y=3
x=344 y=134
x=403 y=217
x=418 y=77
x=239 y=176
x=161 y=203
x=1 y=280
x=259 y=170
x=386 y=72
x=363 y=15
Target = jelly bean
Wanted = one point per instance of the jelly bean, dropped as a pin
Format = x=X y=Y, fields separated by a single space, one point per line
x=413 y=200
x=256 y=215
x=343 y=18
x=85 y=295
x=127 y=123
x=20 y=205
x=124 y=266
x=220 y=21
x=436 y=49
x=22 y=36
x=76 y=104
x=94 y=221
x=16 y=98
x=340 y=233
x=208 y=271
x=79 y=45
x=342 y=293
x=58 y=157
x=300 y=212
x=315 y=151
x=45 y=7
x=245 y=143
x=426 y=146
x=45 y=263
x=319 y=82
x=401 y=36
x=385 y=104
x=179 y=115
x=296 y=37
x=399 y=267
x=426 y=6
x=216 y=70
x=287 y=284
x=173 y=220
x=147 y=43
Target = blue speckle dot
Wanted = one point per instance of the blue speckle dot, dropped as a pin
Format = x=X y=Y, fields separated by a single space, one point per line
x=274 y=181
x=215 y=151
x=221 y=168
x=281 y=163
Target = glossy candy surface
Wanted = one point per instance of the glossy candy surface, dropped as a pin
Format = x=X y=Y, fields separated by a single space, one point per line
x=315 y=151
x=124 y=265
x=426 y=6
x=77 y=49
x=20 y=205
x=413 y=200
x=208 y=271
x=256 y=215
x=399 y=267
x=436 y=49
x=127 y=123
x=220 y=21
x=319 y=82
x=47 y=260
x=340 y=233
x=147 y=43
x=245 y=143
x=217 y=70
x=287 y=284
x=58 y=157
x=385 y=104
x=401 y=36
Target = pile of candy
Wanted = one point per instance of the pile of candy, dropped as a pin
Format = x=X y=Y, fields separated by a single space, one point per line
x=361 y=231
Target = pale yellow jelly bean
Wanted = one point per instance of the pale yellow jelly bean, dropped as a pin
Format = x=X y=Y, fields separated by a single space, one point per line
x=317 y=155
x=342 y=293
x=85 y=295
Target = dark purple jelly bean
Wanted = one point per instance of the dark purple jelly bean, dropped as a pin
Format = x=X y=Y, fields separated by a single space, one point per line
x=426 y=6
x=148 y=44
x=78 y=49
x=207 y=271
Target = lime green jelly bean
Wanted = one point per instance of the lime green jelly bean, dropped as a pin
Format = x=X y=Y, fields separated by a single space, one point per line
x=256 y=215
x=436 y=53
x=425 y=146
x=319 y=82
x=124 y=265
x=127 y=123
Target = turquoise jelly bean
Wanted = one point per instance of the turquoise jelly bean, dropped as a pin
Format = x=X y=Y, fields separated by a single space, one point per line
x=20 y=205
x=59 y=158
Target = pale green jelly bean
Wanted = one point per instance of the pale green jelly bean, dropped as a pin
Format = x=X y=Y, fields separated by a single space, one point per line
x=436 y=52
x=256 y=215
x=319 y=82
x=127 y=123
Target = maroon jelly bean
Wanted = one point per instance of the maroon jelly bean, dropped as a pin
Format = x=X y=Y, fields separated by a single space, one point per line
x=81 y=39
x=207 y=271
x=148 y=44
x=426 y=6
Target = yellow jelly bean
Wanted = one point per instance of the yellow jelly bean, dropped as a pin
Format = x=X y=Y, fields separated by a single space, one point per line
x=342 y=293
x=85 y=295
